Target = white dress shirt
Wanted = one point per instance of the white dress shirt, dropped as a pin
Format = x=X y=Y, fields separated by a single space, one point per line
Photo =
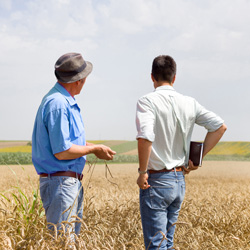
x=167 y=118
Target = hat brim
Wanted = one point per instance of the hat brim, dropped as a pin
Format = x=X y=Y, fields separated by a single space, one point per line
x=78 y=76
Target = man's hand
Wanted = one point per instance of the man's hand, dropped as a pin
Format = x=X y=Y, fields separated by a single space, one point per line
x=142 y=181
x=190 y=167
x=103 y=152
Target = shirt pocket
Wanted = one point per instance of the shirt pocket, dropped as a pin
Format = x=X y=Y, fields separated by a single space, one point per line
x=76 y=124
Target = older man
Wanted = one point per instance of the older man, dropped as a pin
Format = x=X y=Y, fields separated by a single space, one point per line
x=59 y=148
x=165 y=121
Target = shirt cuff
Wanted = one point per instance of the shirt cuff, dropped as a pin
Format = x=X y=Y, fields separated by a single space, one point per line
x=214 y=127
x=63 y=147
x=146 y=137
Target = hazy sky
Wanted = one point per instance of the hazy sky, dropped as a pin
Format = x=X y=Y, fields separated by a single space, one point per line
x=209 y=39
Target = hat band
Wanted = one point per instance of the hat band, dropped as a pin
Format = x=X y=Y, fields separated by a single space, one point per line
x=71 y=73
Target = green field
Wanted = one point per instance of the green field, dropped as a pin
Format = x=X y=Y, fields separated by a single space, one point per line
x=19 y=152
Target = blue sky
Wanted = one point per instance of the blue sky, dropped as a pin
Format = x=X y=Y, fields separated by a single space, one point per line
x=209 y=40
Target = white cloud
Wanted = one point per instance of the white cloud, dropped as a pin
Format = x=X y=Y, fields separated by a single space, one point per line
x=209 y=39
x=56 y=19
x=5 y=4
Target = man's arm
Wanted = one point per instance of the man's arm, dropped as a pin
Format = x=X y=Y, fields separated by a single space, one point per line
x=212 y=138
x=89 y=144
x=144 y=150
x=101 y=151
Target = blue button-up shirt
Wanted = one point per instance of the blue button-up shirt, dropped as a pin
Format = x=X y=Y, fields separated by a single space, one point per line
x=58 y=125
x=167 y=118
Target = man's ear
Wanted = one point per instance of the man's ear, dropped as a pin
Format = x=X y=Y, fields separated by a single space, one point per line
x=174 y=79
x=154 y=81
x=152 y=77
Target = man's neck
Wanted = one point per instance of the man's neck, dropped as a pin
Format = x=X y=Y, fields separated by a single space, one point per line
x=159 y=84
x=166 y=84
x=68 y=87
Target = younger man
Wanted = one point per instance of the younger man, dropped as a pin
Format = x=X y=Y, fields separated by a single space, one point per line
x=165 y=121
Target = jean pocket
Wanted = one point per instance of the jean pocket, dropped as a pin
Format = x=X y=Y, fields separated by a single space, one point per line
x=69 y=182
x=45 y=193
x=161 y=197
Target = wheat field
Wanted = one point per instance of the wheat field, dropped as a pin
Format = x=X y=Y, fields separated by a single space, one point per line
x=215 y=212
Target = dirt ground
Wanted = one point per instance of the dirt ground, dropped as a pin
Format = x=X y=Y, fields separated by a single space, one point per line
x=7 y=144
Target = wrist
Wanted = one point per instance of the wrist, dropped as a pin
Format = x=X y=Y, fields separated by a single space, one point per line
x=92 y=149
x=142 y=171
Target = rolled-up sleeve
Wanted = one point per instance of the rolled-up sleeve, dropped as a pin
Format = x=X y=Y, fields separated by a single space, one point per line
x=145 y=120
x=208 y=119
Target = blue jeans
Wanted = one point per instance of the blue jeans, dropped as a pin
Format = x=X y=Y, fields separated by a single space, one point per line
x=62 y=199
x=159 y=206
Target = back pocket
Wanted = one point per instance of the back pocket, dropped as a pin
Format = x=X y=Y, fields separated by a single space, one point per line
x=161 y=197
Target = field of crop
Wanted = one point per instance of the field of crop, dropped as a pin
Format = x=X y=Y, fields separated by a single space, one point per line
x=19 y=152
x=215 y=213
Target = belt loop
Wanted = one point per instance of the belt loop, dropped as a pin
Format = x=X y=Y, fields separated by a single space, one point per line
x=49 y=176
x=175 y=171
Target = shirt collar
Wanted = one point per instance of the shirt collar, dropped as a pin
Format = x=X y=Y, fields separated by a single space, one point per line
x=165 y=87
x=65 y=93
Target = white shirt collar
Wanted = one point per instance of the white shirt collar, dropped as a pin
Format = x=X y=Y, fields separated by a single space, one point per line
x=165 y=87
